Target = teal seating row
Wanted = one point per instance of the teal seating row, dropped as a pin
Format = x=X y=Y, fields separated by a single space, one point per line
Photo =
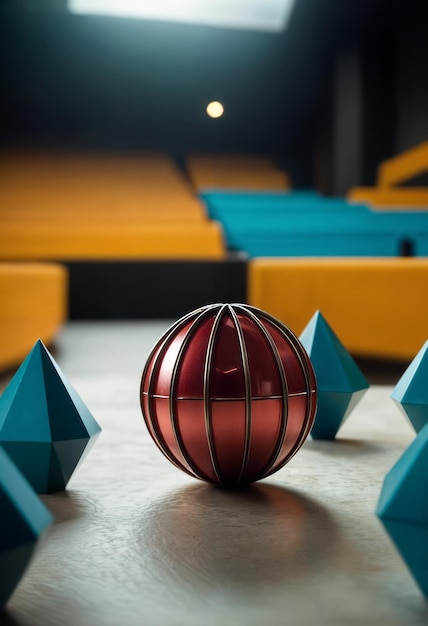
x=221 y=203
x=306 y=224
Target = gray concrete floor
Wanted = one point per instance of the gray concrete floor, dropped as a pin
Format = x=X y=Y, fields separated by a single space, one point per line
x=136 y=541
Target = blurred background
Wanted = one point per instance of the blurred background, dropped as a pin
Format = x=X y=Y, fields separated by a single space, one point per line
x=134 y=202
x=148 y=166
x=340 y=89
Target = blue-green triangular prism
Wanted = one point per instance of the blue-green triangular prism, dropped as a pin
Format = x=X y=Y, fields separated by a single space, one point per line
x=411 y=391
x=340 y=382
x=332 y=411
x=62 y=397
x=13 y=563
x=417 y=414
x=412 y=388
x=411 y=541
x=334 y=367
x=23 y=405
x=39 y=408
x=403 y=507
x=23 y=519
x=405 y=487
x=33 y=459
x=67 y=452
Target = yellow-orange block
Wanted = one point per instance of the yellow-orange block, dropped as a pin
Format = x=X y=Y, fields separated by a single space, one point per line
x=377 y=306
x=404 y=166
x=235 y=172
x=62 y=241
x=391 y=198
x=34 y=304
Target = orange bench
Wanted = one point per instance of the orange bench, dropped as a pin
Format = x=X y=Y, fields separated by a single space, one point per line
x=392 y=173
x=235 y=172
x=377 y=306
x=94 y=240
x=79 y=207
x=33 y=306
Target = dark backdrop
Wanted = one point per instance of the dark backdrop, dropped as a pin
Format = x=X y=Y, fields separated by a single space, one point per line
x=311 y=96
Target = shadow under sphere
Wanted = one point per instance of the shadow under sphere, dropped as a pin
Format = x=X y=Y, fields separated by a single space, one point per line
x=254 y=537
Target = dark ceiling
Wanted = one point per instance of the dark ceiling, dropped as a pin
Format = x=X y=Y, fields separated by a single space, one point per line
x=107 y=83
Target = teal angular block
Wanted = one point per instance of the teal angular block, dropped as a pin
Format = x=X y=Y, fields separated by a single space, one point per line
x=341 y=384
x=411 y=392
x=23 y=520
x=44 y=425
x=403 y=507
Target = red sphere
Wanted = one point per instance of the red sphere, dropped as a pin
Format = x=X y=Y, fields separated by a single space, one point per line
x=228 y=394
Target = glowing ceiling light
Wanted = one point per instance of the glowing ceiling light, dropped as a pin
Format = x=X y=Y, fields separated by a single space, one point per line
x=215 y=109
x=265 y=15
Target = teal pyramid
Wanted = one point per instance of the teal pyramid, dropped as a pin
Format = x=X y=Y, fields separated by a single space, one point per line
x=403 y=507
x=23 y=519
x=341 y=384
x=44 y=426
x=411 y=391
